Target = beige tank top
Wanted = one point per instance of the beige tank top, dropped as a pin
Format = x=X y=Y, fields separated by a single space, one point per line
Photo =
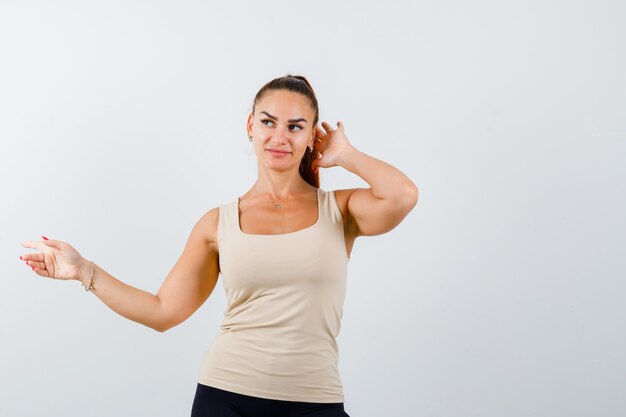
x=285 y=302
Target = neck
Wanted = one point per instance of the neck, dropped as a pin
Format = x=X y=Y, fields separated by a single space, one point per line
x=280 y=186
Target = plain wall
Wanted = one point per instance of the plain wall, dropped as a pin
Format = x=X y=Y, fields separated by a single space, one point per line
x=502 y=292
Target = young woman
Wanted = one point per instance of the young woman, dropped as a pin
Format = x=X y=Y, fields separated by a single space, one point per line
x=282 y=249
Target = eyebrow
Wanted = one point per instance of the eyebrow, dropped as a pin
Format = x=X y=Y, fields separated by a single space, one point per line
x=289 y=121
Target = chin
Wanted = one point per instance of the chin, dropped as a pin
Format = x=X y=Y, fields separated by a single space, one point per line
x=277 y=167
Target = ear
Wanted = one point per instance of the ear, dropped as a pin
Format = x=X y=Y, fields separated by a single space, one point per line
x=316 y=129
x=250 y=123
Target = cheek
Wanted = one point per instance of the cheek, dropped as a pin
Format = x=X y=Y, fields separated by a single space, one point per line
x=262 y=128
x=305 y=134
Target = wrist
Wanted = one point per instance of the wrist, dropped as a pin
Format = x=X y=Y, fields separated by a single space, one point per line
x=347 y=157
x=89 y=279
x=84 y=270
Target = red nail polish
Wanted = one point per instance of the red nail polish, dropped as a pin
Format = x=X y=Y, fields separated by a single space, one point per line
x=315 y=170
x=45 y=237
x=33 y=267
x=21 y=257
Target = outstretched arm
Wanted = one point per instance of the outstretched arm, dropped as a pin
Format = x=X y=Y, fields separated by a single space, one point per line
x=392 y=195
x=187 y=286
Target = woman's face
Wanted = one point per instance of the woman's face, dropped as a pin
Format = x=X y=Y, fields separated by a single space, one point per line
x=282 y=128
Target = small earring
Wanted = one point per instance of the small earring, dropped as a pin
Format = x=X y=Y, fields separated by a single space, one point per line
x=250 y=138
x=310 y=149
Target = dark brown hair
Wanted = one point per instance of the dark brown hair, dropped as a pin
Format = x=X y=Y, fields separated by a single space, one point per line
x=297 y=84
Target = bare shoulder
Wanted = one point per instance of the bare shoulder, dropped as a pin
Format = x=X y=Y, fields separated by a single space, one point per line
x=208 y=224
x=342 y=197
x=365 y=214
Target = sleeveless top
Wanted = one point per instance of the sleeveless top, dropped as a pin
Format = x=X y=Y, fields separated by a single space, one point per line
x=285 y=297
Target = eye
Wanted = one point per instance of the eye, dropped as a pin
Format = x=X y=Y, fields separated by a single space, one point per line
x=298 y=126
x=266 y=120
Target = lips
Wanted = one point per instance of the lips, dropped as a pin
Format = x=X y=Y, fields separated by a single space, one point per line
x=278 y=151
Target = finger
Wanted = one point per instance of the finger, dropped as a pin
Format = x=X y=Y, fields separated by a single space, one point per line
x=33 y=257
x=40 y=265
x=319 y=133
x=340 y=126
x=41 y=272
x=319 y=147
x=33 y=245
x=327 y=127
x=316 y=160
x=56 y=244
x=315 y=167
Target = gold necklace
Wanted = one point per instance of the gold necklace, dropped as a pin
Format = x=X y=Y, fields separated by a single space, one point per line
x=275 y=204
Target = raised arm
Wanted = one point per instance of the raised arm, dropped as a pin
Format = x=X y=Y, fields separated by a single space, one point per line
x=371 y=211
x=186 y=287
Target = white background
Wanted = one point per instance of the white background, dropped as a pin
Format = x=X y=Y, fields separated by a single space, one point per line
x=501 y=294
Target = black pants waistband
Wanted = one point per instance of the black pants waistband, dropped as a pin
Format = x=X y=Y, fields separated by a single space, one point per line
x=215 y=402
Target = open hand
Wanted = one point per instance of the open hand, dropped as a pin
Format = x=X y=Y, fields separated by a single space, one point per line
x=329 y=145
x=56 y=259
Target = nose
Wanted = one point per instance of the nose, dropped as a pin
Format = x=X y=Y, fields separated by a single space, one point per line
x=279 y=137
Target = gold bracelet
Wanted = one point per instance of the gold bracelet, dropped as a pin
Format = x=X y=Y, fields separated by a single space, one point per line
x=91 y=279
